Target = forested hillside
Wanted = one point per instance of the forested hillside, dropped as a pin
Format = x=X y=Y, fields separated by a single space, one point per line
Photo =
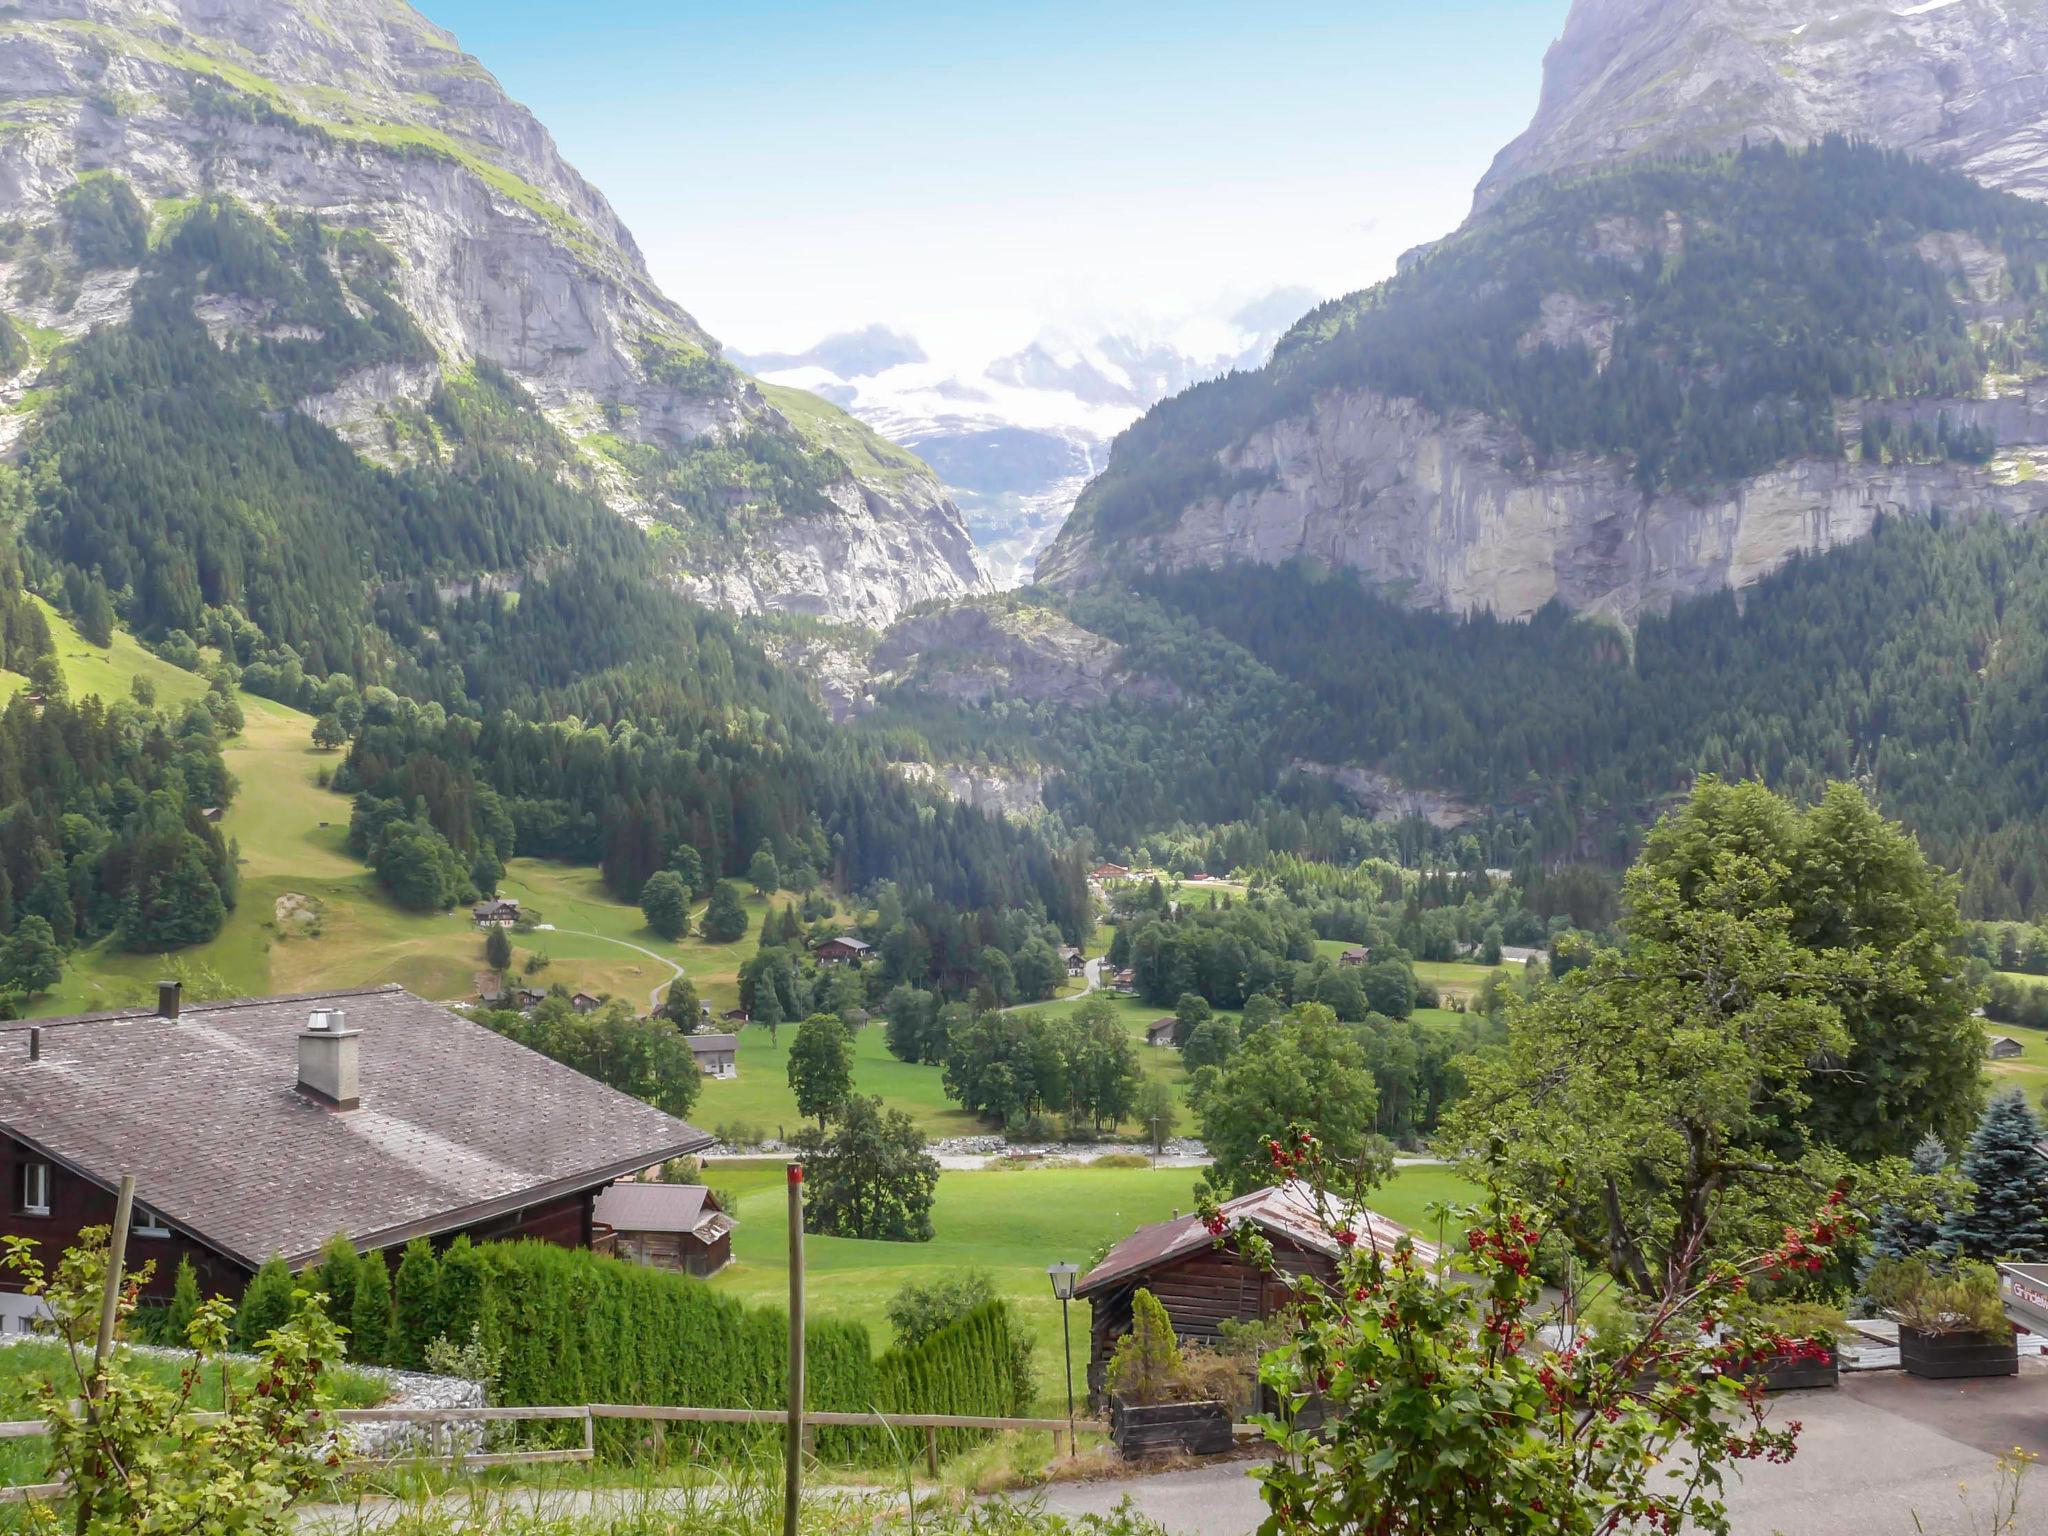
x=1915 y=662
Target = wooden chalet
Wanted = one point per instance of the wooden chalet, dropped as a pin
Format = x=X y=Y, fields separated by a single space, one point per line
x=2002 y=1047
x=1162 y=1031
x=1203 y=1281
x=1105 y=871
x=717 y=1055
x=840 y=949
x=1072 y=958
x=585 y=1002
x=1357 y=954
x=498 y=912
x=664 y=1226
x=267 y=1125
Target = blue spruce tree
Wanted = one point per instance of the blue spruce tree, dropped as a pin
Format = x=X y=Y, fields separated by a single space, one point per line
x=2008 y=1219
x=1903 y=1230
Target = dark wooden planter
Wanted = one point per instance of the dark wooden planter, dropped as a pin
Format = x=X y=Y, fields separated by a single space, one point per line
x=1791 y=1373
x=1946 y=1356
x=1159 y=1429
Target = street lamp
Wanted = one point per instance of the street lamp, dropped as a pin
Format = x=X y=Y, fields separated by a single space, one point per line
x=1063 y=1275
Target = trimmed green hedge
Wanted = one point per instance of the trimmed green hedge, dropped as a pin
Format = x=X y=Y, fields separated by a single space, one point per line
x=569 y=1326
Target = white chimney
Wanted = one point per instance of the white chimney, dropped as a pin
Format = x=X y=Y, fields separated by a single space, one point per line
x=328 y=1060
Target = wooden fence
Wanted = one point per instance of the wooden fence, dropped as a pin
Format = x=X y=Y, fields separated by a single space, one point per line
x=588 y=1414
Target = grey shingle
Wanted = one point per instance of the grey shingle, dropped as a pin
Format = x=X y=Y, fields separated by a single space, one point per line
x=457 y=1124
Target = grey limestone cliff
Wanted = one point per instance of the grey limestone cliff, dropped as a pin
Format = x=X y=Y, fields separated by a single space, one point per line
x=366 y=115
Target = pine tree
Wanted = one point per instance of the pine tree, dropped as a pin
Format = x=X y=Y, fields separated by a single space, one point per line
x=497 y=949
x=369 y=1335
x=459 y=1298
x=1900 y=1231
x=184 y=1303
x=266 y=1304
x=415 y=1305
x=724 y=918
x=2008 y=1218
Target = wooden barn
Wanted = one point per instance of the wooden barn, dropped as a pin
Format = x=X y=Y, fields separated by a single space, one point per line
x=1203 y=1281
x=665 y=1226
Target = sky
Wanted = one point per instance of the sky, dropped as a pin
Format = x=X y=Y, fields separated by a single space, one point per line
x=975 y=171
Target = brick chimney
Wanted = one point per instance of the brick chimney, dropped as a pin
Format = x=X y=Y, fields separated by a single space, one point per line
x=328 y=1059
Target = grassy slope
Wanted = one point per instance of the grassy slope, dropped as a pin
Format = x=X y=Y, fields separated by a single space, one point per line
x=1011 y=1223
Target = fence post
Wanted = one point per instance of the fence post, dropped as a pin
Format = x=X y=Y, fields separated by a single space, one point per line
x=793 y=1434
x=931 y=1449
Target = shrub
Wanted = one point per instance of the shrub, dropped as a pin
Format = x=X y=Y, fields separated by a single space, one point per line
x=1963 y=1298
x=978 y=1364
x=1147 y=1366
x=369 y=1336
x=920 y=1309
x=415 y=1305
x=266 y=1304
x=337 y=1277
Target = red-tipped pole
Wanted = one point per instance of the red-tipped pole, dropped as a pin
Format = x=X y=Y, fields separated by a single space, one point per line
x=793 y=1435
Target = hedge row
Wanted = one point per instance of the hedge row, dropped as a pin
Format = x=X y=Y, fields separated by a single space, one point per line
x=569 y=1326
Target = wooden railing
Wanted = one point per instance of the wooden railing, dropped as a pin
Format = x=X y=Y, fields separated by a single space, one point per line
x=588 y=1414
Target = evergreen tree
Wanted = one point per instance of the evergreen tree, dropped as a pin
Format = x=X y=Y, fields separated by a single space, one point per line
x=725 y=919
x=415 y=1305
x=459 y=1297
x=369 y=1337
x=768 y=1009
x=339 y=1274
x=665 y=901
x=184 y=1305
x=681 y=1006
x=688 y=865
x=2008 y=1216
x=1901 y=1231
x=266 y=1305
x=497 y=949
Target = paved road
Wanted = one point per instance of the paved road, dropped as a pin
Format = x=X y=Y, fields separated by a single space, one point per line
x=1875 y=1455
x=653 y=996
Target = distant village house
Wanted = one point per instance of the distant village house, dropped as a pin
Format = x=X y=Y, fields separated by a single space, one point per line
x=2002 y=1047
x=498 y=912
x=1161 y=1031
x=1357 y=954
x=717 y=1055
x=665 y=1226
x=841 y=949
x=585 y=1002
x=1075 y=962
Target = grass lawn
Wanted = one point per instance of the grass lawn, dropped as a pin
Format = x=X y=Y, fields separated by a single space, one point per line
x=1011 y=1223
x=2029 y=1070
x=24 y=1366
x=109 y=673
x=760 y=1098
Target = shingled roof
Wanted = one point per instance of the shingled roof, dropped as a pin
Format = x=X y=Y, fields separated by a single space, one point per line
x=457 y=1124
x=1287 y=1211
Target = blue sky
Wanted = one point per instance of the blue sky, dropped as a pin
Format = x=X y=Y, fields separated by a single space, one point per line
x=971 y=171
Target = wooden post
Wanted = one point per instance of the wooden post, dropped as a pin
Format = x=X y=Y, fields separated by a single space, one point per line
x=931 y=1449
x=110 y=1294
x=793 y=1434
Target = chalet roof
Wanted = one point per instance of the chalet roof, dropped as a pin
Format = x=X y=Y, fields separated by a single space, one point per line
x=457 y=1123
x=662 y=1208
x=845 y=940
x=705 y=1045
x=1287 y=1211
x=1165 y=1026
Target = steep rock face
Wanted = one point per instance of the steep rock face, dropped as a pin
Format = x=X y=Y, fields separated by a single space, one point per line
x=1425 y=504
x=364 y=114
x=1961 y=83
x=976 y=652
x=1019 y=795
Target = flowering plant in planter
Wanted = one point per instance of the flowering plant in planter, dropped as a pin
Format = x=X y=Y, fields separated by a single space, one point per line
x=1447 y=1413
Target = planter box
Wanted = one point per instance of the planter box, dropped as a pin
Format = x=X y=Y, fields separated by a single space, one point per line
x=1789 y=1373
x=1159 y=1429
x=1947 y=1356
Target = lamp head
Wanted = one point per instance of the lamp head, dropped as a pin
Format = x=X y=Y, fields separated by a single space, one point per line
x=1063 y=1276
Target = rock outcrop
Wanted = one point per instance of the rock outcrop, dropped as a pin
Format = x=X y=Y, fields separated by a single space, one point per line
x=364 y=114
x=1426 y=504
x=979 y=651
x=1961 y=83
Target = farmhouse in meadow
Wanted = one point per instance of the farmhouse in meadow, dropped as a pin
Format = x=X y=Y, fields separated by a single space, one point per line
x=1072 y=958
x=717 y=1055
x=498 y=912
x=665 y=1226
x=267 y=1125
x=1162 y=1031
x=2000 y=1047
x=1203 y=1283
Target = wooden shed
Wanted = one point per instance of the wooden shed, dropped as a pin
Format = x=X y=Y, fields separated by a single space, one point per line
x=1203 y=1281
x=666 y=1226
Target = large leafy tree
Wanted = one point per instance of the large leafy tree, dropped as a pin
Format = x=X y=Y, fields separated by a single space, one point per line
x=1691 y=1088
x=869 y=1176
x=821 y=1066
x=725 y=919
x=665 y=901
x=1306 y=1070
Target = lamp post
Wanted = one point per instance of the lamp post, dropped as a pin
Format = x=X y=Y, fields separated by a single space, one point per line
x=1063 y=1275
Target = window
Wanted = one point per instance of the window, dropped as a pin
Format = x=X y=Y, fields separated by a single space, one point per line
x=143 y=1222
x=32 y=1190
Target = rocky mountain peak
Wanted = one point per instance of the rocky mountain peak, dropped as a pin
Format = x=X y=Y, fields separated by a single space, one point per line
x=1960 y=83
x=370 y=118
